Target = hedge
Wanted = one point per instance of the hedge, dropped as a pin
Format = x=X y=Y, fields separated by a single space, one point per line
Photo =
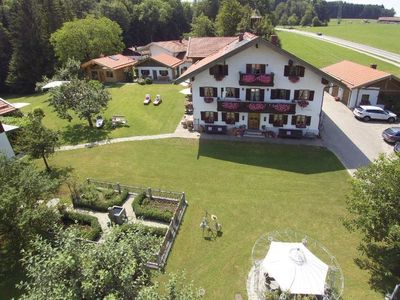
x=94 y=233
x=99 y=204
x=157 y=231
x=149 y=213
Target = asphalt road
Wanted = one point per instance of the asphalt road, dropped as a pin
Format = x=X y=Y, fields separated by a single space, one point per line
x=386 y=56
x=355 y=143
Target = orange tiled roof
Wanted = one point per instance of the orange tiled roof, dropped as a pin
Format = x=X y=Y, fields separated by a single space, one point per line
x=354 y=75
x=173 y=46
x=6 y=107
x=200 y=47
x=114 y=62
x=167 y=60
x=247 y=37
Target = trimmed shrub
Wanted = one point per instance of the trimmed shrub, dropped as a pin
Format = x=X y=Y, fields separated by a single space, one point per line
x=97 y=199
x=141 y=81
x=95 y=231
x=148 y=80
x=156 y=231
x=147 y=212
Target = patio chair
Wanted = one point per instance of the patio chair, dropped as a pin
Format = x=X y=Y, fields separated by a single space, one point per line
x=157 y=100
x=147 y=99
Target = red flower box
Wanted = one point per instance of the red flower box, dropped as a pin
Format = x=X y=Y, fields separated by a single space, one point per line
x=208 y=99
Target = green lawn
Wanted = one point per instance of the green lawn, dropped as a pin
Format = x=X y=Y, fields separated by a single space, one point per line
x=382 y=36
x=321 y=54
x=126 y=100
x=252 y=188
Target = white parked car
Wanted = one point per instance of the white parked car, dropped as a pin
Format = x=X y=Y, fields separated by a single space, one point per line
x=369 y=112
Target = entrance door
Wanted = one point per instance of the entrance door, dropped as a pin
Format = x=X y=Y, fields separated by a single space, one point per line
x=154 y=74
x=254 y=121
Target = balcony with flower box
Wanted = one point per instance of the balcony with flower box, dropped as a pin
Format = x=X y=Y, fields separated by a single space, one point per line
x=250 y=79
x=256 y=107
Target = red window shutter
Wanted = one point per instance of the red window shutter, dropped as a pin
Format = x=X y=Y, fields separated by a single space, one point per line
x=273 y=94
x=248 y=68
x=296 y=94
x=236 y=117
x=294 y=120
x=248 y=94
x=285 y=119
x=203 y=115
x=225 y=69
x=215 y=116
x=262 y=92
x=301 y=71
x=237 y=93
x=286 y=71
x=212 y=70
x=287 y=95
x=311 y=96
x=308 y=120
x=201 y=92
x=223 y=116
x=215 y=92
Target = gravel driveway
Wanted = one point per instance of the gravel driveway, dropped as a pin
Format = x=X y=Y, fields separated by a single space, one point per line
x=356 y=143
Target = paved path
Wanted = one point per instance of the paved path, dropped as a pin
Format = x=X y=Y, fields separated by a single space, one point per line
x=386 y=56
x=354 y=142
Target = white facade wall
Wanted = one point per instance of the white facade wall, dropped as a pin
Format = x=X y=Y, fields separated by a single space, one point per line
x=157 y=69
x=5 y=146
x=156 y=50
x=275 y=63
x=356 y=96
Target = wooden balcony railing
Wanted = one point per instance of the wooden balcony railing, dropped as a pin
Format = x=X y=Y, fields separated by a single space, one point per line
x=256 y=79
x=256 y=106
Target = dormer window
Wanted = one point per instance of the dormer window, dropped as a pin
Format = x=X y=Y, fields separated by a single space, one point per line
x=219 y=71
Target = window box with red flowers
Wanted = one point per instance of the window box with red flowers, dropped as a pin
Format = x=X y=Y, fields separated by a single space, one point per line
x=302 y=103
x=294 y=79
x=208 y=99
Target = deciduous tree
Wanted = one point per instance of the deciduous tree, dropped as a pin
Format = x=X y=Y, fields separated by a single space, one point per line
x=202 y=26
x=373 y=207
x=229 y=16
x=85 y=98
x=86 y=39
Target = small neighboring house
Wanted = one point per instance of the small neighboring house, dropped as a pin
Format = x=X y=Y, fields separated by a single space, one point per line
x=161 y=67
x=175 y=48
x=6 y=108
x=257 y=85
x=394 y=20
x=363 y=85
x=113 y=68
x=5 y=146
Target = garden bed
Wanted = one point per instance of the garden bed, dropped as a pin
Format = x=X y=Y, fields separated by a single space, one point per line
x=88 y=226
x=98 y=199
x=153 y=208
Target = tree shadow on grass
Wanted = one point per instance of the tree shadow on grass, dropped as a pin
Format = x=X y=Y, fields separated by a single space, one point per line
x=79 y=133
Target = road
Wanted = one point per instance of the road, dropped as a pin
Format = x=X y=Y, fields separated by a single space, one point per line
x=355 y=143
x=383 y=55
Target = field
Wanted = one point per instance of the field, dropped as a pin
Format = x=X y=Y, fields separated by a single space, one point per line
x=382 y=36
x=321 y=54
x=126 y=100
x=252 y=188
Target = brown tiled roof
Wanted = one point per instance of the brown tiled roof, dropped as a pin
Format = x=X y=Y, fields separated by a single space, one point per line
x=6 y=107
x=173 y=46
x=354 y=75
x=200 y=47
x=113 y=62
x=167 y=60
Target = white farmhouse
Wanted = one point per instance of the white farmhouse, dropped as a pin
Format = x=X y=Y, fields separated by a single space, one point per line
x=253 y=84
x=5 y=146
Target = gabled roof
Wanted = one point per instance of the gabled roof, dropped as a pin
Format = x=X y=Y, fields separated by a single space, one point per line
x=6 y=107
x=239 y=45
x=200 y=47
x=113 y=62
x=173 y=46
x=163 y=59
x=354 y=75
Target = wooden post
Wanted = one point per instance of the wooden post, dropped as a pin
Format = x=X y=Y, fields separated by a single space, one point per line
x=119 y=188
x=149 y=193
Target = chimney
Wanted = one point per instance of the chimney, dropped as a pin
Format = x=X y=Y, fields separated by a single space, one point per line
x=374 y=66
x=240 y=36
x=274 y=39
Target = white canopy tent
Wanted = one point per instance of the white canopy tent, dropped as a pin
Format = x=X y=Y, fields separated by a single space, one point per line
x=295 y=268
x=53 y=84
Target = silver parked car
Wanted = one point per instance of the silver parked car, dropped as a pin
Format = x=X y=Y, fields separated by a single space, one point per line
x=369 y=112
